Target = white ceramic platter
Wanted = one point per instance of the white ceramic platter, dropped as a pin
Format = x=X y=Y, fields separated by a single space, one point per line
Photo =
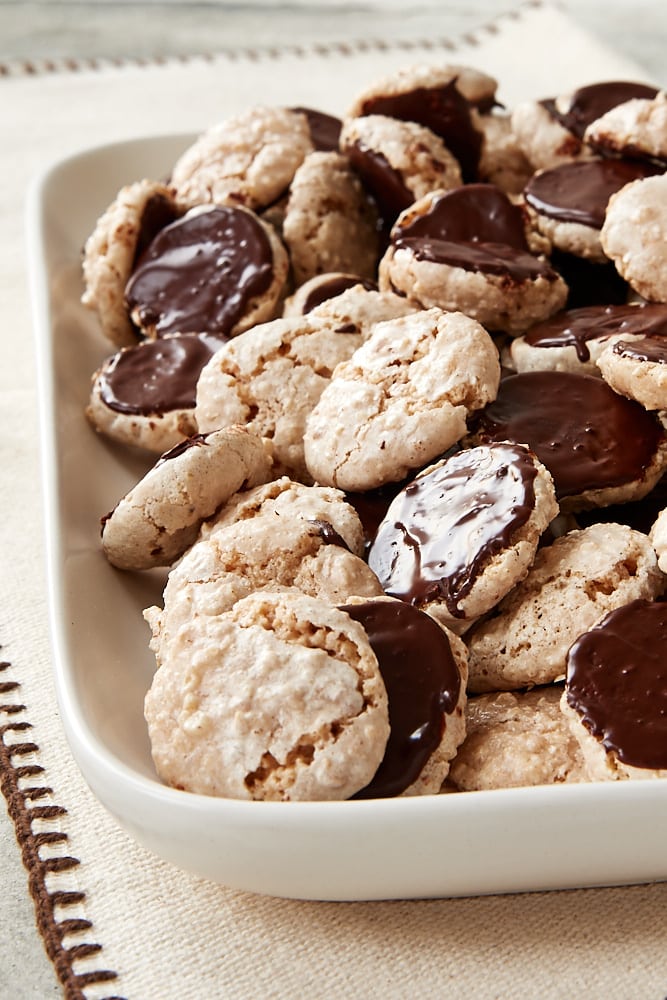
x=461 y=844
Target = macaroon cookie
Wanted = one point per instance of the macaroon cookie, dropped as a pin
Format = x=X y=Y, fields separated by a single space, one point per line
x=464 y=532
x=467 y=250
x=600 y=448
x=615 y=694
x=217 y=270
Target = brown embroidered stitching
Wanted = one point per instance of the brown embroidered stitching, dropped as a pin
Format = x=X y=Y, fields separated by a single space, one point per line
x=23 y=814
x=354 y=47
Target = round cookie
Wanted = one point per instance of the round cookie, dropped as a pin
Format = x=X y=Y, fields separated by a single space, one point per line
x=616 y=693
x=330 y=223
x=658 y=537
x=461 y=534
x=135 y=216
x=217 y=270
x=466 y=250
x=280 y=698
x=144 y=395
x=398 y=161
x=572 y=340
x=401 y=400
x=572 y=584
x=637 y=367
x=248 y=160
x=502 y=161
x=160 y=517
x=567 y=204
x=269 y=379
x=552 y=131
x=515 y=739
x=600 y=448
x=424 y=669
x=440 y=98
x=284 y=498
x=249 y=555
x=320 y=289
x=635 y=129
x=634 y=236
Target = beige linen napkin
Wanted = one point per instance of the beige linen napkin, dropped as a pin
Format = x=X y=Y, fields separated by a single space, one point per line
x=116 y=921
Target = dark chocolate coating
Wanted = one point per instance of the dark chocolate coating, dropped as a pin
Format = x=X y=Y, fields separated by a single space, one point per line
x=652 y=349
x=475 y=227
x=580 y=192
x=488 y=258
x=156 y=376
x=442 y=109
x=201 y=273
x=324 y=129
x=159 y=211
x=587 y=436
x=591 y=102
x=575 y=327
x=422 y=681
x=444 y=528
x=474 y=213
x=385 y=184
x=617 y=682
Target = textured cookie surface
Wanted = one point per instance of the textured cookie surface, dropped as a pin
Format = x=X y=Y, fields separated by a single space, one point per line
x=401 y=400
x=467 y=250
x=280 y=698
x=137 y=213
x=270 y=378
x=441 y=98
x=249 y=159
x=250 y=555
x=398 y=161
x=636 y=128
x=571 y=585
x=637 y=367
x=502 y=161
x=157 y=520
x=658 y=536
x=330 y=223
x=461 y=534
x=516 y=738
x=284 y=498
x=634 y=235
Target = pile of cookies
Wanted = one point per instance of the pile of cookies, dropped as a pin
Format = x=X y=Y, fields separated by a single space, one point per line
x=404 y=375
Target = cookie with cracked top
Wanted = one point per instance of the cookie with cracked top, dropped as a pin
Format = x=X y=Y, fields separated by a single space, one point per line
x=401 y=400
x=159 y=518
x=280 y=698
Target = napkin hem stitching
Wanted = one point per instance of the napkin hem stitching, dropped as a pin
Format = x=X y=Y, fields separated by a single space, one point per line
x=38 y=822
x=348 y=48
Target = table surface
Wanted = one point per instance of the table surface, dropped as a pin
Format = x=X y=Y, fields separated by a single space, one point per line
x=34 y=32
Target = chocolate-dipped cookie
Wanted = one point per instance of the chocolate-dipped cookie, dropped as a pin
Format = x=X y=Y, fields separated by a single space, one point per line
x=145 y=395
x=600 y=448
x=463 y=533
x=467 y=250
